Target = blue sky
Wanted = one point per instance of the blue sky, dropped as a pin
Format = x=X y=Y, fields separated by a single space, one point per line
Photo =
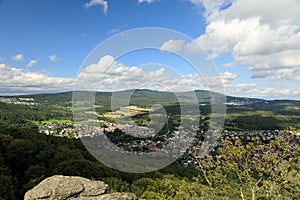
x=69 y=30
x=255 y=46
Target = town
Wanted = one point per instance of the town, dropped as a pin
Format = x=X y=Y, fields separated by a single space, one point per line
x=19 y=101
x=185 y=141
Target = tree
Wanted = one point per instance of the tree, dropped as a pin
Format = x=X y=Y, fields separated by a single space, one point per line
x=204 y=123
x=7 y=189
x=252 y=169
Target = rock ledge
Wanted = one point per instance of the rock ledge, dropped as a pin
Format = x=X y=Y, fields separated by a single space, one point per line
x=73 y=188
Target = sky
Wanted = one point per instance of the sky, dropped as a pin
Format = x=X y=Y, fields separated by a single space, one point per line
x=252 y=47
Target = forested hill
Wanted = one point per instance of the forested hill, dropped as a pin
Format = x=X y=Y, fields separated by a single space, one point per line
x=144 y=94
x=241 y=113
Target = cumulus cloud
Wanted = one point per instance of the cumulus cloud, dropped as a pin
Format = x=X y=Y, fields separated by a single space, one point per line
x=172 y=45
x=110 y=75
x=17 y=81
x=53 y=58
x=18 y=57
x=261 y=74
x=32 y=62
x=255 y=91
x=270 y=12
x=205 y=82
x=211 y=8
x=276 y=92
x=103 y=3
x=228 y=76
x=241 y=89
x=287 y=74
x=262 y=35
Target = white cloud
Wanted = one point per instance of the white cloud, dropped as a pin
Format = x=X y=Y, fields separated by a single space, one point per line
x=228 y=76
x=147 y=1
x=100 y=67
x=227 y=65
x=287 y=74
x=245 y=85
x=18 y=57
x=271 y=12
x=113 y=31
x=276 y=92
x=211 y=8
x=241 y=89
x=32 y=62
x=53 y=58
x=261 y=74
x=262 y=35
x=198 y=81
x=108 y=74
x=17 y=81
x=103 y=3
x=172 y=45
x=267 y=92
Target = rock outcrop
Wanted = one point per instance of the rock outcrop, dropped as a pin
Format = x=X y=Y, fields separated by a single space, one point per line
x=73 y=188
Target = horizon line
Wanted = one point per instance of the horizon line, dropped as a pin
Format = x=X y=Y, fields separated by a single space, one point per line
x=198 y=90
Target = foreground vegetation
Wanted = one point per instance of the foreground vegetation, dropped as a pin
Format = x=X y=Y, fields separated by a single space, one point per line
x=235 y=170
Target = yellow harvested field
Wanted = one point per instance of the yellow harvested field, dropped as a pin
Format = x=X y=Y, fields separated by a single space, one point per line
x=136 y=108
x=127 y=111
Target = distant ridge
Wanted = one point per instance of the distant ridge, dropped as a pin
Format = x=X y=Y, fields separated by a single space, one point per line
x=200 y=93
